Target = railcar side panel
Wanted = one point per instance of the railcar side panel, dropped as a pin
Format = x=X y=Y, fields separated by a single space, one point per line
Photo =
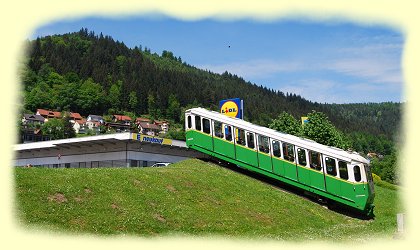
x=290 y=170
x=224 y=147
x=264 y=161
x=247 y=155
x=200 y=139
x=303 y=175
x=333 y=185
x=278 y=166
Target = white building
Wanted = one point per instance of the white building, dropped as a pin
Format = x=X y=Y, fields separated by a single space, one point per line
x=113 y=150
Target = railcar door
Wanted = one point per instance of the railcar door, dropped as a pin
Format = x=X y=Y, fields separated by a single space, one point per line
x=245 y=147
x=346 y=187
x=289 y=163
x=202 y=133
x=316 y=174
x=278 y=164
x=264 y=157
x=302 y=166
x=332 y=183
x=222 y=139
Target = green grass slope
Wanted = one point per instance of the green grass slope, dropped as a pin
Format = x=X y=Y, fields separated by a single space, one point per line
x=192 y=198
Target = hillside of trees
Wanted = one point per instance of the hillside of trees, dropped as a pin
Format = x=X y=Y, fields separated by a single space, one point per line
x=92 y=73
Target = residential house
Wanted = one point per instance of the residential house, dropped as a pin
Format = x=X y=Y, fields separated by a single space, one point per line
x=142 y=119
x=33 y=135
x=75 y=116
x=48 y=114
x=121 y=123
x=32 y=119
x=164 y=125
x=79 y=126
x=94 y=122
x=148 y=128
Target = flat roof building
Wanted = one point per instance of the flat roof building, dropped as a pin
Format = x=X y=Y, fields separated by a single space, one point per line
x=112 y=150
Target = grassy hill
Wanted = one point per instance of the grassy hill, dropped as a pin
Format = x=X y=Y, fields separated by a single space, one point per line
x=192 y=198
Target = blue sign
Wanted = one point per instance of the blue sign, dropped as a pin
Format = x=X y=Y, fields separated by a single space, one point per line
x=232 y=107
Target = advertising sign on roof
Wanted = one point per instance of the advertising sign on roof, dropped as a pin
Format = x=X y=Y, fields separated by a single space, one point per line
x=232 y=107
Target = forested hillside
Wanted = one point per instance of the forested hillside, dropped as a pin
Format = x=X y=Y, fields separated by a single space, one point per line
x=94 y=74
x=91 y=74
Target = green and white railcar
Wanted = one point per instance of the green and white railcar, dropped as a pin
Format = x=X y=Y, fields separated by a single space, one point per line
x=329 y=172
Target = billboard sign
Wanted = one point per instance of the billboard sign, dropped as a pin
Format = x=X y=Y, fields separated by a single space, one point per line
x=232 y=107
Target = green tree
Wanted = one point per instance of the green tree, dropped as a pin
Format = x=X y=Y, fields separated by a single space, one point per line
x=321 y=130
x=151 y=104
x=90 y=98
x=286 y=123
x=38 y=97
x=386 y=168
x=114 y=96
x=69 y=131
x=174 y=108
x=54 y=128
x=132 y=101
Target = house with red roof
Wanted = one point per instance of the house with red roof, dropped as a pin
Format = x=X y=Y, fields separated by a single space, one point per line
x=164 y=125
x=121 y=123
x=47 y=114
x=148 y=128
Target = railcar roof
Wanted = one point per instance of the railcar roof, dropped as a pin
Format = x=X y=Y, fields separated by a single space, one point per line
x=298 y=141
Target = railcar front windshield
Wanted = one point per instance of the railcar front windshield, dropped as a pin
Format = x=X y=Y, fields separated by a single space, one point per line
x=368 y=173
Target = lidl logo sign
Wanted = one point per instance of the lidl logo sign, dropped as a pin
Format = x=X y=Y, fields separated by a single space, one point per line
x=229 y=108
x=232 y=107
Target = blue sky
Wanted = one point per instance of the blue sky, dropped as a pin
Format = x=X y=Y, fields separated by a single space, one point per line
x=332 y=62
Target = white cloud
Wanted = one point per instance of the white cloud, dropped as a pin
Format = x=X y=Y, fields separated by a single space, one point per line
x=259 y=68
x=371 y=69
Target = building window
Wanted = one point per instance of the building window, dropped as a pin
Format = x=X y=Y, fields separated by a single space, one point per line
x=357 y=174
x=342 y=168
x=288 y=152
x=206 y=126
x=197 y=123
x=315 y=160
x=331 y=168
x=276 y=149
x=301 y=156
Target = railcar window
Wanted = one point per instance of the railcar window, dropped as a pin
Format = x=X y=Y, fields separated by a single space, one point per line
x=206 y=126
x=288 y=152
x=250 y=140
x=218 y=129
x=302 y=156
x=228 y=132
x=263 y=145
x=198 y=122
x=315 y=160
x=189 y=121
x=276 y=149
x=357 y=175
x=240 y=137
x=330 y=164
x=342 y=168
